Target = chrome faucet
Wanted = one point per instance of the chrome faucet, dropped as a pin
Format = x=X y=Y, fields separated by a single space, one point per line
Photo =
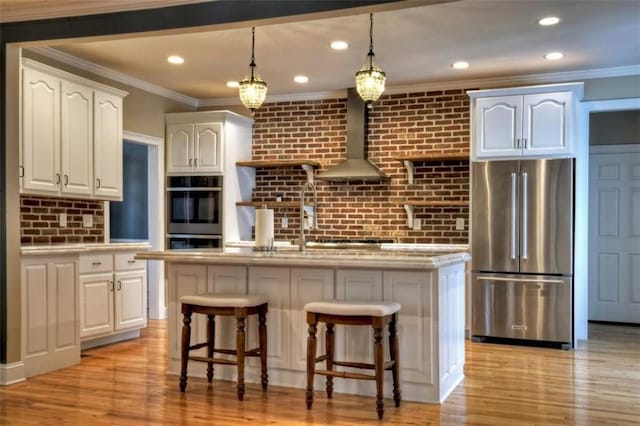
x=303 y=190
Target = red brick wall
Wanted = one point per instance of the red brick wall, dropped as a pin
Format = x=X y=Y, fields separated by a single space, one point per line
x=39 y=220
x=399 y=124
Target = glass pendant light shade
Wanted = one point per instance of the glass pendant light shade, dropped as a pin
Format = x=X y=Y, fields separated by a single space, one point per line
x=370 y=79
x=253 y=90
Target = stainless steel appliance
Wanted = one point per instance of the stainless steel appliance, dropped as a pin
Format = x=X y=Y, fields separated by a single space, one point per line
x=522 y=249
x=194 y=211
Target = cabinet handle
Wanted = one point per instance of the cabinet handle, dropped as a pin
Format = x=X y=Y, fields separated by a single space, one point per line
x=525 y=143
x=119 y=285
x=131 y=261
x=195 y=162
x=517 y=143
x=190 y=161
x=110 y=285
x=98 y=182
x=21 y=171
x=57 y=178
x=66 y=180
x=96 y=263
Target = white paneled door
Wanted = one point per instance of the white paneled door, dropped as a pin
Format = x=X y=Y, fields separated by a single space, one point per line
x=614 y=234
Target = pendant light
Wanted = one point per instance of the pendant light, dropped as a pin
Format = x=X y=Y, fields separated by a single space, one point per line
x=252 y=89
x=370 y=79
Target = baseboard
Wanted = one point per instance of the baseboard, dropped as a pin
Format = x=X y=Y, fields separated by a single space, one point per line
x=107 y=340
x=12 y=373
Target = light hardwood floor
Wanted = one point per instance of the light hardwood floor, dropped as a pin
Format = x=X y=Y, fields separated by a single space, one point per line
x=125 y=383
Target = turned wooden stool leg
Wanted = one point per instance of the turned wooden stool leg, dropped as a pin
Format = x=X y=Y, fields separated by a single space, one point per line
x=312 y=320
x=186 y=341
x=211 y=337
x=379 y=366
x=240 y=339
x=262 y=337
x=330 y=342
x=395 y=358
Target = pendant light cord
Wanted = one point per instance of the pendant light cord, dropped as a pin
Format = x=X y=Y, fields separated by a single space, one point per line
x=253 y=46
x=370 y=54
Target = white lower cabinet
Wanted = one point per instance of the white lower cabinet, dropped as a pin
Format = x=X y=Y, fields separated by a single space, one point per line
x=50 y=316
x=113 y=293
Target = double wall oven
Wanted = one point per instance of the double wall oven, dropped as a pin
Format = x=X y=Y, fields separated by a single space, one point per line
x=194 y=212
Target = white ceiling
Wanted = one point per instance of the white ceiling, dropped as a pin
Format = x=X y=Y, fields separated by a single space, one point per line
x=413 y=45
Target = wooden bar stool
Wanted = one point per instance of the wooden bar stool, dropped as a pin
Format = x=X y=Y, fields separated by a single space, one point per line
x=373 y=314
x=239 y=306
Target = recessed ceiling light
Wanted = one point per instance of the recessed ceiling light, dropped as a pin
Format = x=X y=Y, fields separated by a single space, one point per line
x=233 y=84
x=339 y=45
x=175 y=59
x=301 y=79
x=549 y=20
x=554 y=56
x=460 y=65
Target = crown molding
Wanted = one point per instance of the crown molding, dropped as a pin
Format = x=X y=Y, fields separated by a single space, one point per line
x=524 y=79
x=102 y=71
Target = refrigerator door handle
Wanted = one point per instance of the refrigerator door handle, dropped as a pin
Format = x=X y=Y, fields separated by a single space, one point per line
x=514 y=211
x=525 y=217
x=520 y=280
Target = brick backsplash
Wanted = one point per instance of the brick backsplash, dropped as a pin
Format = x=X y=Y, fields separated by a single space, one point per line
x=39 y=220
x=411 y=123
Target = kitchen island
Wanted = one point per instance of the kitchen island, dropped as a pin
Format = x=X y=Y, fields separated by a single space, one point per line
x=430 y=286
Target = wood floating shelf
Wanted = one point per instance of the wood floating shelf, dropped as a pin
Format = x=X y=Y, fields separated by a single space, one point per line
x=409 y=160
x=269 y=204
x=307 y=165
x=410 y=205
x=277 y=163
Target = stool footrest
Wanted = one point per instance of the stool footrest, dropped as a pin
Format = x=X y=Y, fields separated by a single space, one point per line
x=213 y=360
x=321 y=358
x=198 y=346
x=345 y=375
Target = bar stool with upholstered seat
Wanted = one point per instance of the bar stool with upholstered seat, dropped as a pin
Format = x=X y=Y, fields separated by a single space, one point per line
x=239 y=306
x=374 y=314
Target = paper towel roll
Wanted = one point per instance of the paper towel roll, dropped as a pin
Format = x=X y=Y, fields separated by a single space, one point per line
x=264 y=228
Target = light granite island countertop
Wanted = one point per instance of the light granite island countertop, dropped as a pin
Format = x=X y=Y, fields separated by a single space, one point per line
x=428 y=283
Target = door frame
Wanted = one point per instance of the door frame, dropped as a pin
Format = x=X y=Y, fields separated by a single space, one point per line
x=581 y=249
x=155 y=270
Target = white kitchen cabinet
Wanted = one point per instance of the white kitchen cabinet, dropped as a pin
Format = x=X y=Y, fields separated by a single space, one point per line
x=107 y=143
x=194 y=148
x=534 y=121
x=113 y=293
x=50 y=318
x=71 y=135
x=273 y=283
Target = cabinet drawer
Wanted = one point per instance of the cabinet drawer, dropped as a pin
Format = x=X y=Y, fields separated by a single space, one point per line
x=96 y=262
x=125 y=261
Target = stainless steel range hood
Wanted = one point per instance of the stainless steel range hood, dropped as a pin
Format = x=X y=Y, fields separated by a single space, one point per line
x=356 y=167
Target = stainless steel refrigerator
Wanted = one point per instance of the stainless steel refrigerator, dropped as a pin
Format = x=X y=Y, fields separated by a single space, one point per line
x=522 y=249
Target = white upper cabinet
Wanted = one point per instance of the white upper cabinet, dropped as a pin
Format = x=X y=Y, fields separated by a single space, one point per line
x=107 y=142
x=533 y=121
x=40 y=131
x=71 y=135
x=194 y=148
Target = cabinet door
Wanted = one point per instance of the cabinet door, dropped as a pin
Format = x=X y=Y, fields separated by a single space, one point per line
x=51 y=338
x=416 y=323
x=356 y=342
x=208 y=148
x=96 y=304
x=76 y=139
x=546 y=124
x=307 y=285
x=130 y=300
x=498 y=126
x=40 y=132
x=107 y=145
x=179 y=148
x=273 y=283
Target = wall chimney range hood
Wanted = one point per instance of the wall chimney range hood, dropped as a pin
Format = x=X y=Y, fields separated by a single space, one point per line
x=356 y=167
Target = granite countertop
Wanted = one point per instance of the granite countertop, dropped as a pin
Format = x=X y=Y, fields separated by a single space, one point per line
x=136 y=245
x=421 y=259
